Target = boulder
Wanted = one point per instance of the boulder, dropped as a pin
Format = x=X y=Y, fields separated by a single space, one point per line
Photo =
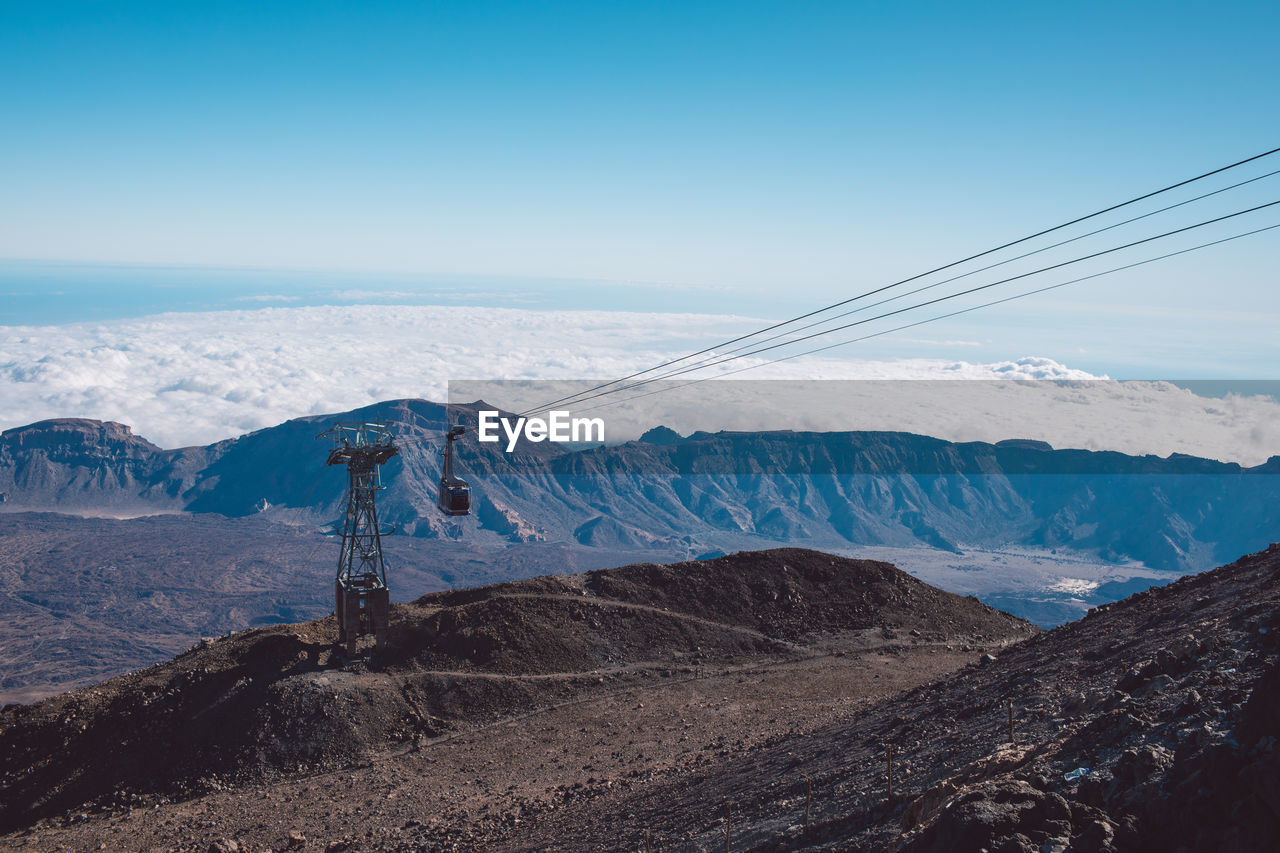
x=1137 y=765
x=994 y=814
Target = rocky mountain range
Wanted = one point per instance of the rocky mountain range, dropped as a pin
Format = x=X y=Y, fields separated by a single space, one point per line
x=116 y=554
x=699 y=493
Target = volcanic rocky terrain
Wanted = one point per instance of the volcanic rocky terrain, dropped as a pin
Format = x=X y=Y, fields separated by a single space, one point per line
x=1150 y=725
x=489 y=707
x=85 y=599
x=754 y=696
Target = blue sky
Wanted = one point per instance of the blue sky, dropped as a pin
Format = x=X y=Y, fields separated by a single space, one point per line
x=773 y=156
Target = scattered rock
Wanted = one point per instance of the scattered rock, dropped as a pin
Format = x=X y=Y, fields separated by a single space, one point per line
x=1097 y=835
x=1135 y=765
x=1138 y=675
x=1075 y=702
x=1016 y=843
x=1156 y=685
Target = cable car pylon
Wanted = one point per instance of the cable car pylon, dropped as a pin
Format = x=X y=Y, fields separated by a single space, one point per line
x=361 y=600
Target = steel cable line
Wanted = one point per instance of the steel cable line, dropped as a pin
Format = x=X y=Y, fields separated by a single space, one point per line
x=707 y=361
x=926 y=303
x=841 y=303
x=933 y=319
x=988 y=267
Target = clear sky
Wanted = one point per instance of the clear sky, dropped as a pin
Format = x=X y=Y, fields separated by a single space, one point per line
x=776 y=156
x=721 y=143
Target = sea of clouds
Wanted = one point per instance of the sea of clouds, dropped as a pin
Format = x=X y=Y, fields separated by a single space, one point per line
x=1032 y=398
x=192 y=378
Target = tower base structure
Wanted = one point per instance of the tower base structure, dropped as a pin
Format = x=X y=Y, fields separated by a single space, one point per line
x=361 y=601
x=362 y=608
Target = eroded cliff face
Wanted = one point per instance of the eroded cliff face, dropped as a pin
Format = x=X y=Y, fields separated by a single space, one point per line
x=79 y=464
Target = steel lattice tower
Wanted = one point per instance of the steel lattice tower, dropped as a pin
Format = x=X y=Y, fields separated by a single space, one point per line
x=362 y=602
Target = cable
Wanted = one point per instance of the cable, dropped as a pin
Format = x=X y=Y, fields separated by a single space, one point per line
x=712 y=358
x=926 y=303
x=908 y=280
x=934 y=319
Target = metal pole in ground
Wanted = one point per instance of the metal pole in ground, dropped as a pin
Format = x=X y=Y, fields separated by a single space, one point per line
x=728 y=816
x=1009 y=701
x=808 y=801
x=647 y=849
x=888 y=760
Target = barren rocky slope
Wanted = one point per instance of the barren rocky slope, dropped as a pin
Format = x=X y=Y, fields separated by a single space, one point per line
x=275 y=702
x=1170 y=699
x=86 y=599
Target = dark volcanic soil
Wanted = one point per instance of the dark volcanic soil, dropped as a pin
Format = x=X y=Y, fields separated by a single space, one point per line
x=490 y=701
x=1170 y=699
x=86 y=599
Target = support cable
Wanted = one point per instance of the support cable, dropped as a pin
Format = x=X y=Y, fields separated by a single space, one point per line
x=934 y=319
x=816 y=323
x=585 y=396
x=872 y=292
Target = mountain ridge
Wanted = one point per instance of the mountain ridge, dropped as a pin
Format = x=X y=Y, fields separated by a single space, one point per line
x=708 y=491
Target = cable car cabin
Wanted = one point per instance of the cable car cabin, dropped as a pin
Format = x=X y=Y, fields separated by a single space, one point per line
x=455 y=495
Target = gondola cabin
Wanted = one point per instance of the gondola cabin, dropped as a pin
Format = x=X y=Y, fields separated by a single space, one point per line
x=455 y=495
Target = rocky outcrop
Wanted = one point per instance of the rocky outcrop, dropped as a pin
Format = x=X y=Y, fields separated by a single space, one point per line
x=77 y=463
x=505 y=521
x=1182 y=755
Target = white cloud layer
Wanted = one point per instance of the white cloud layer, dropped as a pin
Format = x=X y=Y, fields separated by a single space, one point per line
x=1032 y=398
x=193 y=378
